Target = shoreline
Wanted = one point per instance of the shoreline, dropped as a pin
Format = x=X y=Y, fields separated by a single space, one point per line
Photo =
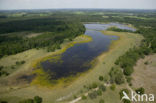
x=33 y=57
x=41 y=81
x=41 y=76
x=103 y=64
x=126 y=24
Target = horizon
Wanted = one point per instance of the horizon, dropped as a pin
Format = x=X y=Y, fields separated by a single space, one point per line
x=76 y=4
x=127 y=9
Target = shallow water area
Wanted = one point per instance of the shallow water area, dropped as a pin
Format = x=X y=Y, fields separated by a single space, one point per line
x=77 y=59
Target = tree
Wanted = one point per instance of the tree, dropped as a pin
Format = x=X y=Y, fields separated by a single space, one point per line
x=51 y=38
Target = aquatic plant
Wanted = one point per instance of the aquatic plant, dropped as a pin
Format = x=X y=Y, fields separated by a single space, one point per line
x=43 y=78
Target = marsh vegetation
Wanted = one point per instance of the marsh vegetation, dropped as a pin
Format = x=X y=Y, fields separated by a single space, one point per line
x=54 y=30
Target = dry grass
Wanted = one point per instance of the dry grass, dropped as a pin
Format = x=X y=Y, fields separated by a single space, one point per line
x=145 y=74
x=33 y=35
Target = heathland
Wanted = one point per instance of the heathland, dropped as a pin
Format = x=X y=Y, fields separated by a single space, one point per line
x=28 y=37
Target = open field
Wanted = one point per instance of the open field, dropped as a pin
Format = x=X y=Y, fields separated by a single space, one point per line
x=144 y=74
x=104 y=63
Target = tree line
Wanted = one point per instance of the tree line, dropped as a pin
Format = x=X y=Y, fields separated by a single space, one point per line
x=54 y=33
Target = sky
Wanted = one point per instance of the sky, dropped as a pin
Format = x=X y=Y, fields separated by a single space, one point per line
x=50 y=4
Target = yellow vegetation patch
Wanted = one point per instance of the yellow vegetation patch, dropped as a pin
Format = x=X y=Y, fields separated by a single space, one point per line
x=42 y=78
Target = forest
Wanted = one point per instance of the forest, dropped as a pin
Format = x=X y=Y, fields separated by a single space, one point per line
x=54 y=31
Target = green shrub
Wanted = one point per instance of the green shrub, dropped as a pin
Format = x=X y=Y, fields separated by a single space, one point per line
x=99 y=92
x=17 y=63
x=146 y=63
x=106 y=78
x=3 y=101
x=119 y=79
x=112 y=87
x=102 y=87
x=12 y=67
x=22 y=62
x=70 y=39
x=126 y=101
x=121 y=92
x=85 y=86
x=130 y=84
x=140 y=90
x=74 y=96
x=93 y=95
x=101 y=101
x=37 y=99
x=30 y=101
x=128 y=78
x=128 y=71
x=4 y=73
x=83 y=97
x=116 y=76
x=101 y=78
x=81 y=91
x=94 y=85
x=1 y=67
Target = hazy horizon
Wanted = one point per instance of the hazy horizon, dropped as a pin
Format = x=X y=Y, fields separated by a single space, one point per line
x=76 y=4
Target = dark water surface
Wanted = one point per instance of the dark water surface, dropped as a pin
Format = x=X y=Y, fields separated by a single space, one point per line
x=77 y=58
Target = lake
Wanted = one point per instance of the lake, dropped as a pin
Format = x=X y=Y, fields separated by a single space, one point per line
x=77 y=59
